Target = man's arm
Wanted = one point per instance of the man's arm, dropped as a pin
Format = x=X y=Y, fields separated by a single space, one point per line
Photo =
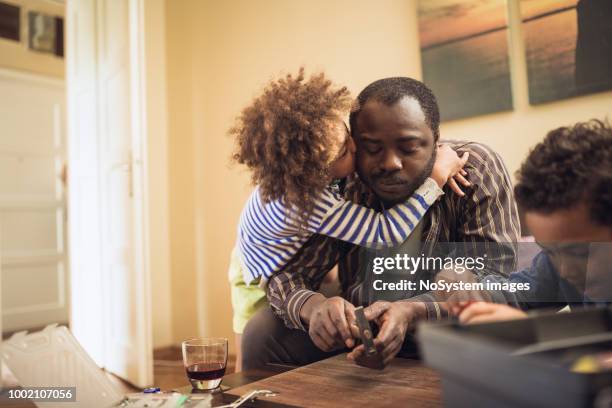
x=287 y=293
x=289 y=289
x=490 y=218
x=293 y=298
x=487 y=222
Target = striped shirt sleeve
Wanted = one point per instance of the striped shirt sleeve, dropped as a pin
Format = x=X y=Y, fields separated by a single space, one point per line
x=363 y=226
x=490 y=214
x=290 y=288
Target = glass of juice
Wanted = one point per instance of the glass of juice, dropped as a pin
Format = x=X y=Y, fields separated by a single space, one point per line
x=205 y=359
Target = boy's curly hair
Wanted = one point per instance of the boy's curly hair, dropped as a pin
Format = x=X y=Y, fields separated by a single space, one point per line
x=283 y=138
x=571 y=165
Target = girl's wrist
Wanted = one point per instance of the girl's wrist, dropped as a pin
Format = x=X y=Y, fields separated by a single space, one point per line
x=438 y=179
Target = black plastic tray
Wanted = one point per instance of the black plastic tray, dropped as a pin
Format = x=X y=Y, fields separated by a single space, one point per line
x=519 y=363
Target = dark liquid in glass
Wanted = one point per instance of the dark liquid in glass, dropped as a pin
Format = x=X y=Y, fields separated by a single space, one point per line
x=206 y=376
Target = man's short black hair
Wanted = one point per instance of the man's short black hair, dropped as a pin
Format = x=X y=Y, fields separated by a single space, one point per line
x=571 y=165
x=391 y=90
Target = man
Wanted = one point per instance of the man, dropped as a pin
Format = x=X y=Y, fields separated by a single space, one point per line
x=395 y=124
x=565 y=188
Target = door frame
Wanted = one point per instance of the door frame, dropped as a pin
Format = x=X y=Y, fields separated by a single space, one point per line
x=149 y=175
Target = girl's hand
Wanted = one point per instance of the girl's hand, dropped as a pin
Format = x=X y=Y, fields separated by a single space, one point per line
x=449 y=168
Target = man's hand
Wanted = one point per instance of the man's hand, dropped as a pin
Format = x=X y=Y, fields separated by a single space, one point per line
x=394 y=320
x=329 y=321
x=483 y=312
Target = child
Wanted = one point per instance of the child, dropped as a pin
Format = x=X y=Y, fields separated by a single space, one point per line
x=293 y=139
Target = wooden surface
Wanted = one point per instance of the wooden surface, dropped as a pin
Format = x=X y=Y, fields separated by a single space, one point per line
x=229 y=381
x=239 y=379
x=339 y=382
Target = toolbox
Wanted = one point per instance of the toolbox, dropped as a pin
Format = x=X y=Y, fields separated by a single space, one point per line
x=521 y=363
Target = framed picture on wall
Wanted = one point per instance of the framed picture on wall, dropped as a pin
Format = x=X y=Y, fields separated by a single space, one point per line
x=41 y=28
x=464 y=55
x=46 y=33
x=569 y=47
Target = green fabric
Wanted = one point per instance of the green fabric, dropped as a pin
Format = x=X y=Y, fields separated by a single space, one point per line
x=246 y=299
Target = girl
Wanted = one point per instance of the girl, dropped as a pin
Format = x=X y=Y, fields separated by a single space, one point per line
x=294 y=141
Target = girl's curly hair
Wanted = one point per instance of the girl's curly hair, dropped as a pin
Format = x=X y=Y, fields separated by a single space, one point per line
x=283 y=138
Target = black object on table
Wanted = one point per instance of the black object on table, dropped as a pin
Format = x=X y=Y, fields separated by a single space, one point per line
x=525 y=362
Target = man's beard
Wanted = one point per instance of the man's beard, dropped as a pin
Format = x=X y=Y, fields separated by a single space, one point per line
x=417 y=182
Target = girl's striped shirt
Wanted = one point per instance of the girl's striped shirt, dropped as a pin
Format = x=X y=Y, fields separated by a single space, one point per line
x=269 y=236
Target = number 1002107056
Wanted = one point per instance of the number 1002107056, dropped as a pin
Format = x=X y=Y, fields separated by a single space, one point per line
x=40 y=394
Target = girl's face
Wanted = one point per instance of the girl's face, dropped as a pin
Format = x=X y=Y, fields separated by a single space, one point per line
x=343 y=149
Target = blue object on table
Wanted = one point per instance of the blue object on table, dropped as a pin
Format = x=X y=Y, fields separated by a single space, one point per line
x=151 y=390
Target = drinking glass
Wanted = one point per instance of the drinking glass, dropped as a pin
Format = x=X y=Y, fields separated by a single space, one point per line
x=205 y=360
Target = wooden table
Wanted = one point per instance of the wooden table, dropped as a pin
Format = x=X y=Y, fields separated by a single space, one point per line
x=240 y=379
x=337 y=382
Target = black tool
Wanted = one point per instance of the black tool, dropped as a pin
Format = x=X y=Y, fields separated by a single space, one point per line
x=372 y=357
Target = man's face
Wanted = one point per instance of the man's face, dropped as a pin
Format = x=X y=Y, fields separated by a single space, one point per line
x=395 y=148
x=579 y=248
